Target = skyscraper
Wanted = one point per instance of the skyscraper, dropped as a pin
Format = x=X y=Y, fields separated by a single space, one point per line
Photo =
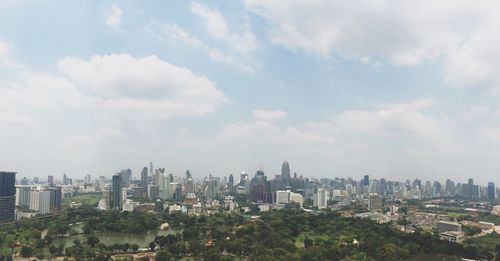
x=491 y=191
x=126 y=176
x=366 y=180
x=470 y=188
x=7 y=196
x=285 y=173
x=55 y=199
x=144 y=182
x=50 y=180
x=116 y=192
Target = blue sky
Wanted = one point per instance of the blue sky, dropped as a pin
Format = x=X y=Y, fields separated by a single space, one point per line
x=382 y=88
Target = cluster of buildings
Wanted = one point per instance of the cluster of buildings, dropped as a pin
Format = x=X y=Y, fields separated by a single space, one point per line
x=154 y=188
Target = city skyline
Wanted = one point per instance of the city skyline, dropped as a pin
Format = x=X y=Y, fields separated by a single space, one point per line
x=378 y=89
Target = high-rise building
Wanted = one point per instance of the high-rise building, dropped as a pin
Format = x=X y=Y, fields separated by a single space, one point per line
x=88 y=179
x=321 y=198
x=470 y=188
x=40 y=201
x=491 y=191
x=116 y=193
x=7 y=196
x=282 y=197
x=285 y=174
x=23 y=196
x=366 y=180
x=50 y=180
x=126 y=176
x=374 y=202
x=153 y=192
x=55 y=199
x=144 y=182
x=258 y=188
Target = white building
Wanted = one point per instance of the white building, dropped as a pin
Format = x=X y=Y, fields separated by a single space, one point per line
x=282 y=197
x=496 y=210
x=40 y=201
x=321 y=199
x=296 y=198
x=128 y=205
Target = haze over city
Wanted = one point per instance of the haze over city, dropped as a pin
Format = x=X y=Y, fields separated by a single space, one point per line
x=399 y=90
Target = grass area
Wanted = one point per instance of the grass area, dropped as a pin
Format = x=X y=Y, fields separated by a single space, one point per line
x=489 y=241
x=489 y=218
x=299 y=241
x=86 y=199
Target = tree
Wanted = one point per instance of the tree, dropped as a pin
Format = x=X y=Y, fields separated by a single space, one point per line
x=26 y=251
x=308 y=242
x=135 y=247
x=152 y=245
x=92 y=241
x=163 y=255
x=53 y=250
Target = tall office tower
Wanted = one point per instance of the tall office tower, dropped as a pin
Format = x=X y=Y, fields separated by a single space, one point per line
x=366 y=180
x=189 y=187
x=491 y=191
x=258 y=188
x=153 y=192
x=116 y=193
x=144 y=182
x=65 y=179
x=211 y=188
x=55 y=199
x=126 y=176
x=7 y=196
x=151 y=168
x=50 y=180
x=285 y=173
x=230 y=184
x=449 y=188
x=88 y=179
x=383 y=186
x=321 y=198
x=470 y=188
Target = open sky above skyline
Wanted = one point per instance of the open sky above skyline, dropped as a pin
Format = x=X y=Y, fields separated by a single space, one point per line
x=386 y=88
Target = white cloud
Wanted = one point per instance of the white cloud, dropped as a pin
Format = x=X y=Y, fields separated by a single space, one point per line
x=174 y=34
x=146 y=88
x=463 y=34
x=215 y=24
x=264 y=115
x=113 y=17
x=217 y=27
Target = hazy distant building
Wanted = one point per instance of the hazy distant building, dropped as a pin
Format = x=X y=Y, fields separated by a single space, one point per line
x=491 y=191
x=374 y=202
x=285 y=174
x=7 y=196
x=126 y=176
x=153 y=192
x=144 y=182
x=50 y=180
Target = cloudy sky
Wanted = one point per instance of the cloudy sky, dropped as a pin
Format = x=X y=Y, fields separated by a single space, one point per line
x=339 y=88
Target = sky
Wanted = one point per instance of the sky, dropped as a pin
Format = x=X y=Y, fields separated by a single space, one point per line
x=394 y=89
